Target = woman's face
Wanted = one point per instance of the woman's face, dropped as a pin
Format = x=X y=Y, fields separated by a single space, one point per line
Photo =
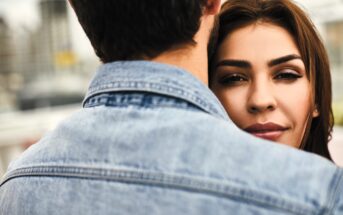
x=261 y=80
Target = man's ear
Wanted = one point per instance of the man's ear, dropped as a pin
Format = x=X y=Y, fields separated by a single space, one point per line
x=212 y=7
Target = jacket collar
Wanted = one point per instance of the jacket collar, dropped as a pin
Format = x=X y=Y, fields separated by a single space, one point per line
x=147 y=76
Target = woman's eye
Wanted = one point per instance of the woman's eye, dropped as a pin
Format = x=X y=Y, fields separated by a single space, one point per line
x=287 y=76
x=232 y=79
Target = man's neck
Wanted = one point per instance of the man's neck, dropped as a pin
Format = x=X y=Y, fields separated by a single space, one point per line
x=193 y=59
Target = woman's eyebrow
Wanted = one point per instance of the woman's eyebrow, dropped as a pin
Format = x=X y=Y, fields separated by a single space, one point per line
x=246 y=64
x=235 y=63
x=283 y=59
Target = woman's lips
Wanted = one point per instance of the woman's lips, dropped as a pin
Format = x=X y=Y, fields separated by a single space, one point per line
x=269 y=131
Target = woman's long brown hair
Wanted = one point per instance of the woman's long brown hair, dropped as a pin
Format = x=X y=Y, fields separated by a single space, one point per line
x=284 y=13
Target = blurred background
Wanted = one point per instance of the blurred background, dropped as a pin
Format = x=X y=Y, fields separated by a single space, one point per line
x=46 y=63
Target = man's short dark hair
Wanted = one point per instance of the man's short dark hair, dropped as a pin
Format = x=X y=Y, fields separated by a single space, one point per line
x=138 y=29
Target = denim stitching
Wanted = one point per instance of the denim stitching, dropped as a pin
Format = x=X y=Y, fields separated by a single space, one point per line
x=142 y=101
x=163 y=180
x=155 y=88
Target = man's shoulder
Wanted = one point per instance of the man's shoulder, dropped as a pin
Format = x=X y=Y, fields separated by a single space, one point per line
x=181 y=149
x=104 y=134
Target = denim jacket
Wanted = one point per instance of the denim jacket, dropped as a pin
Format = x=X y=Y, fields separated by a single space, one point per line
x=152 y=139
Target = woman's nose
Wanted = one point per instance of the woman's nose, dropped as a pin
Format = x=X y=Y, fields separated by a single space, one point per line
x=261 y=99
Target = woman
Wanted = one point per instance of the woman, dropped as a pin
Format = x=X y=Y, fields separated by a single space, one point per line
x=271 y=72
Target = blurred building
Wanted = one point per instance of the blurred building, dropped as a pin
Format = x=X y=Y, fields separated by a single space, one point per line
x=7 y=67
x=52 y=39
x=38 y=71
x=331 y=16
x=40 y=63
x=51 y=79
x=5 y=44
x=328 y=18
x=4 y=63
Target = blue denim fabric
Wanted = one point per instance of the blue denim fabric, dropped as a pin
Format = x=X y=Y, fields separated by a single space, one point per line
x=152 y=139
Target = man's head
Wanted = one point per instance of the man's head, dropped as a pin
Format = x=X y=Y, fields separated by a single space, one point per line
x=139 y=29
